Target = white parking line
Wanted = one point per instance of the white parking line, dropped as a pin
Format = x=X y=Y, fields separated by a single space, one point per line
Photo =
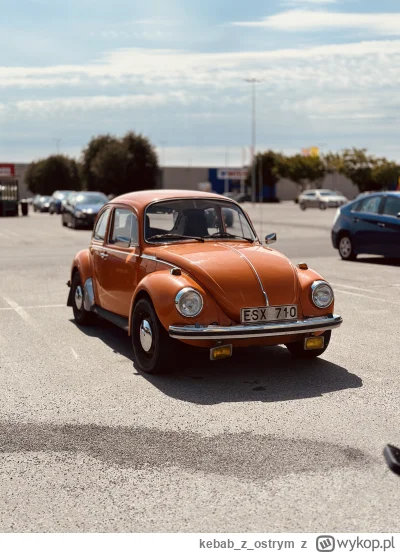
x=352 y=287
x=33 y=306
x=365 y=296
x=18 y=309
x=74 y=353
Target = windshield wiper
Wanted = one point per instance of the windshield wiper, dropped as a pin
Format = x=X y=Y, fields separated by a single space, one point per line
x=170 y=235
x=228 y=235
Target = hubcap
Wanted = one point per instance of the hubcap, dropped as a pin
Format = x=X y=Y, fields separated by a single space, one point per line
x=345 y=247
x=146 y=335
x=78 y=297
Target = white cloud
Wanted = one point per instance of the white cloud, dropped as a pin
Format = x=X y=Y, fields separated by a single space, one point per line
x=292 y=3
x=308 y=20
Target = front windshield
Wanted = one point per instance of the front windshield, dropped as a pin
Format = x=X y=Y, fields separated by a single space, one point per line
x=196 y=219
x=90 y=199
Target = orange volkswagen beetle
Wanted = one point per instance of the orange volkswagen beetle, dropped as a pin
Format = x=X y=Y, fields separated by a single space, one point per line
x=164 y=266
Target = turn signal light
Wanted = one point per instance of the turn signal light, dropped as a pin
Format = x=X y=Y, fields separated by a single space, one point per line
x=221 y=352
x=316 y=342
x=302 y=266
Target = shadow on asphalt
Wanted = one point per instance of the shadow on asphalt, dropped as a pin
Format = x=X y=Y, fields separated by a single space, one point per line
x=395 y=262
x=252 y=374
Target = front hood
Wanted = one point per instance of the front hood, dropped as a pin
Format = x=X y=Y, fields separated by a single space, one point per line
x=232 y=272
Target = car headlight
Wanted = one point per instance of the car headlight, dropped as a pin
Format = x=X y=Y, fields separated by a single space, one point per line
x=321 y=293
x=189 y=302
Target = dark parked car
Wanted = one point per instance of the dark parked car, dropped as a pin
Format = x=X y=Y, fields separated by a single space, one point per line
x=56 y=200
x=41 y=203
x=370 y=224
x=81 y=209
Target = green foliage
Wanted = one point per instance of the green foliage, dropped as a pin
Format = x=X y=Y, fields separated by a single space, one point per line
x=304 y=170
x=269 y=167
x=116 y=166
x=385 y=174
x=357 y=165
x=56 y=172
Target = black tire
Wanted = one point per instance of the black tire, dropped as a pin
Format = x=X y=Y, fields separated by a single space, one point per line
x=64 y=224
x=74 y=222
x=346 y=248
x=303 y=207
x=162 y=353
x=297 y=348
x=82 y=317
x=322 y=205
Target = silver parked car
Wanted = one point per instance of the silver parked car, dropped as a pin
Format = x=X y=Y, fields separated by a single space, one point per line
x=321 y=198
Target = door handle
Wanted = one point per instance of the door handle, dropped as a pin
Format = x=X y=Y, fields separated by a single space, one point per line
x=104 y=255
x=356 y=220
x=382 y=225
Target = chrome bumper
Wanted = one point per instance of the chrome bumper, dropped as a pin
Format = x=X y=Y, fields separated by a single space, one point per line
x=214 y=332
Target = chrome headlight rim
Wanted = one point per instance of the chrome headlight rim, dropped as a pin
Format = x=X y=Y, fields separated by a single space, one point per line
x=178 y=297
x=314 y=287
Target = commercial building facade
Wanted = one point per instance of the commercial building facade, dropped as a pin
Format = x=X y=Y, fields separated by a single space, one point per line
x=200 y=178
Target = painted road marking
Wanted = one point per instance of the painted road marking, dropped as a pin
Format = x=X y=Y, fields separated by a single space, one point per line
x=18 y=309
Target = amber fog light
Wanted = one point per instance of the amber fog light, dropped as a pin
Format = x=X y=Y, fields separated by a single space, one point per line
x=316 y=342
x=220 y=352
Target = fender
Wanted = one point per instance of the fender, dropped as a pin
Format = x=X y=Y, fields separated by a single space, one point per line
x=162 y=287
x=83 y=263
x=306 y=278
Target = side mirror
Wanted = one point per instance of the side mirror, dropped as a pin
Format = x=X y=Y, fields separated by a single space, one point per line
x=270 y=238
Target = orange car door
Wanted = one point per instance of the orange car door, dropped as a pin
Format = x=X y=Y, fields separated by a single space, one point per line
x=98 y=253
x=119 y=272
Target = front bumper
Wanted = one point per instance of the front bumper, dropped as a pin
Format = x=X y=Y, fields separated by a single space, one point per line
x=214 y=332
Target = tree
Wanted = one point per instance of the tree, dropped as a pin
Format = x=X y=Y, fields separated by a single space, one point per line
x=304 y=170
x=358 y=167
x=385 y=174
x=95 y=146
x=53 y=173
x=116 y=166
x=269 y=167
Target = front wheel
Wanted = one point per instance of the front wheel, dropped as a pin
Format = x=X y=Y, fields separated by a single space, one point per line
x=297 y=348
x=303 y=206
x=82 y=317
x=154 y=351
x=346 y=249
x=322 y=206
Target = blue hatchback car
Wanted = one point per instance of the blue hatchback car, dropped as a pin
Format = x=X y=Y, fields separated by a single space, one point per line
x=370 y=224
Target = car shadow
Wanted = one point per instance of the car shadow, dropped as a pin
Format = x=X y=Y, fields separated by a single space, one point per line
x=252 y=374
x=395 y=262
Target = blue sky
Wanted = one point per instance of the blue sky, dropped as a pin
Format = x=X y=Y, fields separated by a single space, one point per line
x=175 y=71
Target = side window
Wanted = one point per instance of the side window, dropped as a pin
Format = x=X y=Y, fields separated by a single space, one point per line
x=124 y=230
x=392 y=206
x=370 y=205
x=101 y=226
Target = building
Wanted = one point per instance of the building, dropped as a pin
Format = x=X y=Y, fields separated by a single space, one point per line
x=219 y=180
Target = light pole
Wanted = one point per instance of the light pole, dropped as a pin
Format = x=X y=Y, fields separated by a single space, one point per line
x=253 y=83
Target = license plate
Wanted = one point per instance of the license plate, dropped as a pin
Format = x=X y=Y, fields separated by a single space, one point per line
x=251 y=315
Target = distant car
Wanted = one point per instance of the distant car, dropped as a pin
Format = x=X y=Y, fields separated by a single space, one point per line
x=370 y=224
x=321 y=198
x=41 y=203
x=56 y=200
x=81 y=209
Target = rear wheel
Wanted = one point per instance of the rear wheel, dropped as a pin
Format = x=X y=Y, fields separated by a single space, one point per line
x=154 y=351
x=297 y=348
x=82 y=317
x=303 y=206
x=322 y=205
x=64 y=224
x=346 y=249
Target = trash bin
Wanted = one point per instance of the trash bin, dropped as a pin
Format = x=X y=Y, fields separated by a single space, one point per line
x=24 y=207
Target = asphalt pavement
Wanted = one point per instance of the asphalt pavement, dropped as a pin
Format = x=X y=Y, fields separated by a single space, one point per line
x=255 y=443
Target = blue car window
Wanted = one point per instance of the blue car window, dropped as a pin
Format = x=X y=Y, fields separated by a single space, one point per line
x=392 y=206
x=370 y=205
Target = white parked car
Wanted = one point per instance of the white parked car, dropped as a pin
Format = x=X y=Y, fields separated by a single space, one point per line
x=321 y=198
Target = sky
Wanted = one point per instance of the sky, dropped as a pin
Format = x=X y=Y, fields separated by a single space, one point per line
x=176 y=72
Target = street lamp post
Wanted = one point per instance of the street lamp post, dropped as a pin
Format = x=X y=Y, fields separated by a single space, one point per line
x=253 y=83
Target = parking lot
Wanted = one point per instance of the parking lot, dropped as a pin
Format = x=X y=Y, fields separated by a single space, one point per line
x=254 y=443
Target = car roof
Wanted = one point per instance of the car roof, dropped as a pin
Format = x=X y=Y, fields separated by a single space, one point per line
x=141 y=199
